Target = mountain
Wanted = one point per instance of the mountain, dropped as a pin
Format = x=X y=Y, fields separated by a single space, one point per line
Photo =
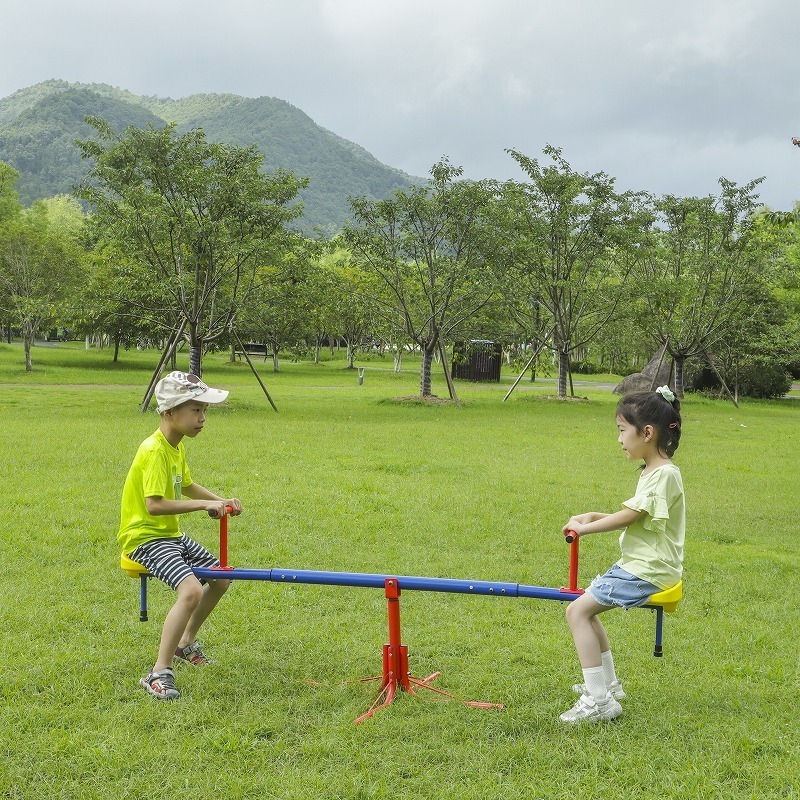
x=39 y=125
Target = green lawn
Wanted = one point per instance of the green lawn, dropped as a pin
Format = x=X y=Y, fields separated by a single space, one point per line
x=347 y=477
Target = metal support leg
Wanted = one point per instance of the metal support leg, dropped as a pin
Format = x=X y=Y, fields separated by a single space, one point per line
x=143 y=597
x=658 y=650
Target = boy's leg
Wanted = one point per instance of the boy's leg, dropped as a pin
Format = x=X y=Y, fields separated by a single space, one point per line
x=190 y=596
x=212 y=593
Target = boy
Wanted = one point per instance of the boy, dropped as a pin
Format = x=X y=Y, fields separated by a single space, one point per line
x=152 y=499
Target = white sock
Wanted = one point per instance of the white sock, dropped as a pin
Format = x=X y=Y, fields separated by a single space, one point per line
x=608 y=667
x=595 y=682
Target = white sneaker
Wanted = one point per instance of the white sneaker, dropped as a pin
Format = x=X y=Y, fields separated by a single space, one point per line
x=587 y=709
x=615 y=690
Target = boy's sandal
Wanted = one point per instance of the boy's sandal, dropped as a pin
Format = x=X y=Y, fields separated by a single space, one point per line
x=192 y=654
x=161 y=684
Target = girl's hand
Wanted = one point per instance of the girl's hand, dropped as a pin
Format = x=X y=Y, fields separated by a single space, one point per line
x=575 y=524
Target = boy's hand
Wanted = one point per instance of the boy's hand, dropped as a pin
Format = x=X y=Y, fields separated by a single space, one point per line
x=236 y=505
x=216 y=508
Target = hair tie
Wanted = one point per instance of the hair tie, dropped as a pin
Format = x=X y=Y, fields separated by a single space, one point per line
x=666 y=393
x=672 y=425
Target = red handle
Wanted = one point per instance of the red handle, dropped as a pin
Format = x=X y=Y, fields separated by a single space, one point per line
x=570 y=536
x=228 y=510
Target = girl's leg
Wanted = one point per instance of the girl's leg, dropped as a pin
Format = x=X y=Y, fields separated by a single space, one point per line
x=587 y=631
x=602 y=636
x=212 y=593
x=591 y=641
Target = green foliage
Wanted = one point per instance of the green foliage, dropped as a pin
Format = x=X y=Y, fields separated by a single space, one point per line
x=40 y=141
x=9 y=198
x=570 y=237
x=585 y=368
x=200 y=218
x=431 y=247
x=697 y=272
x=38 y=127
x=763 y=379
x=41 y=263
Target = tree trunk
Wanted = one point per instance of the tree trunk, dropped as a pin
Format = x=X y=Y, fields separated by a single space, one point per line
x=398 y=359
x=678 y=360
x=425 y=371
x=351 y=355
x=116 y=350
x=196 y=360
x=28 y=334
x=563 y=372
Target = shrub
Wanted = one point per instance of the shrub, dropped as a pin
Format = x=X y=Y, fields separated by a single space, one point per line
x=757 y=377
x=585 y=368
x=766 y=380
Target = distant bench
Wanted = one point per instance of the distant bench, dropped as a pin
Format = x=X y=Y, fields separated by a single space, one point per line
x=254 y=349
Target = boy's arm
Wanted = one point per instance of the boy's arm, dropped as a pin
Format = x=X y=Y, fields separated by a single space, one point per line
x=198 y=492
x=163 y=506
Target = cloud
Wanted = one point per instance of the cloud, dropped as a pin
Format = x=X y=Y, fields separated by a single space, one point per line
x=664 y=96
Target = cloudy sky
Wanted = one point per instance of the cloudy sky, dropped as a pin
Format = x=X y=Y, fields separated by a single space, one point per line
x=665 y=96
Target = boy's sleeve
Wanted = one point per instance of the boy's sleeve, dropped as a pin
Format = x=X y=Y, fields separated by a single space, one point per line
x=156 y=477
x=187 y=476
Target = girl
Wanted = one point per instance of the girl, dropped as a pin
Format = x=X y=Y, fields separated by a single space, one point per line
x=653 y=522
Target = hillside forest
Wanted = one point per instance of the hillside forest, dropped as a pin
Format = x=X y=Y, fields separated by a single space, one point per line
x=173 y=234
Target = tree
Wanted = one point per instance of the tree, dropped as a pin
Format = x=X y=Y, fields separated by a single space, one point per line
x=697 y=277
x=40 y=262
x=118 y=300
x=277 y=310
x=9 y=208
x=9 y=201
x=569 y=239
x=200 y=217
x=353 y=303
x=431 y=247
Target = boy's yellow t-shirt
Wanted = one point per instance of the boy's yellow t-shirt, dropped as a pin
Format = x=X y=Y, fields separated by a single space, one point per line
x=158 y=470
x=652 y=548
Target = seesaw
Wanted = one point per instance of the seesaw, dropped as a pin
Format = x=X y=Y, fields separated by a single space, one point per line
x=395 y=675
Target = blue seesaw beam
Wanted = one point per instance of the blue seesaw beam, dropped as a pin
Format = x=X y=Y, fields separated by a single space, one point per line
x=372 y=581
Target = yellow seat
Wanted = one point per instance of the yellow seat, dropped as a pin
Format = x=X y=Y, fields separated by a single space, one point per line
x=668 y=599
x=133 y=568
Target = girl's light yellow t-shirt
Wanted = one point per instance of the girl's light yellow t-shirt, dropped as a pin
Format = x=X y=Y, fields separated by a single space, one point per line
x=652 y=548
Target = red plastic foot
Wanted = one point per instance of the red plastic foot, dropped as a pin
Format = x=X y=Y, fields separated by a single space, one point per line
x=395 y=676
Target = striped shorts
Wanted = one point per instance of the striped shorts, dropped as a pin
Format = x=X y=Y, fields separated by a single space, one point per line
x=171 y=560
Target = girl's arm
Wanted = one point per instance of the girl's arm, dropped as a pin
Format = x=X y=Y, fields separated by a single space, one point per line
x=594 y=522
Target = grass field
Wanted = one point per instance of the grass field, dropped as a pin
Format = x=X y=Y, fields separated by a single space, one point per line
x=346 y=477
